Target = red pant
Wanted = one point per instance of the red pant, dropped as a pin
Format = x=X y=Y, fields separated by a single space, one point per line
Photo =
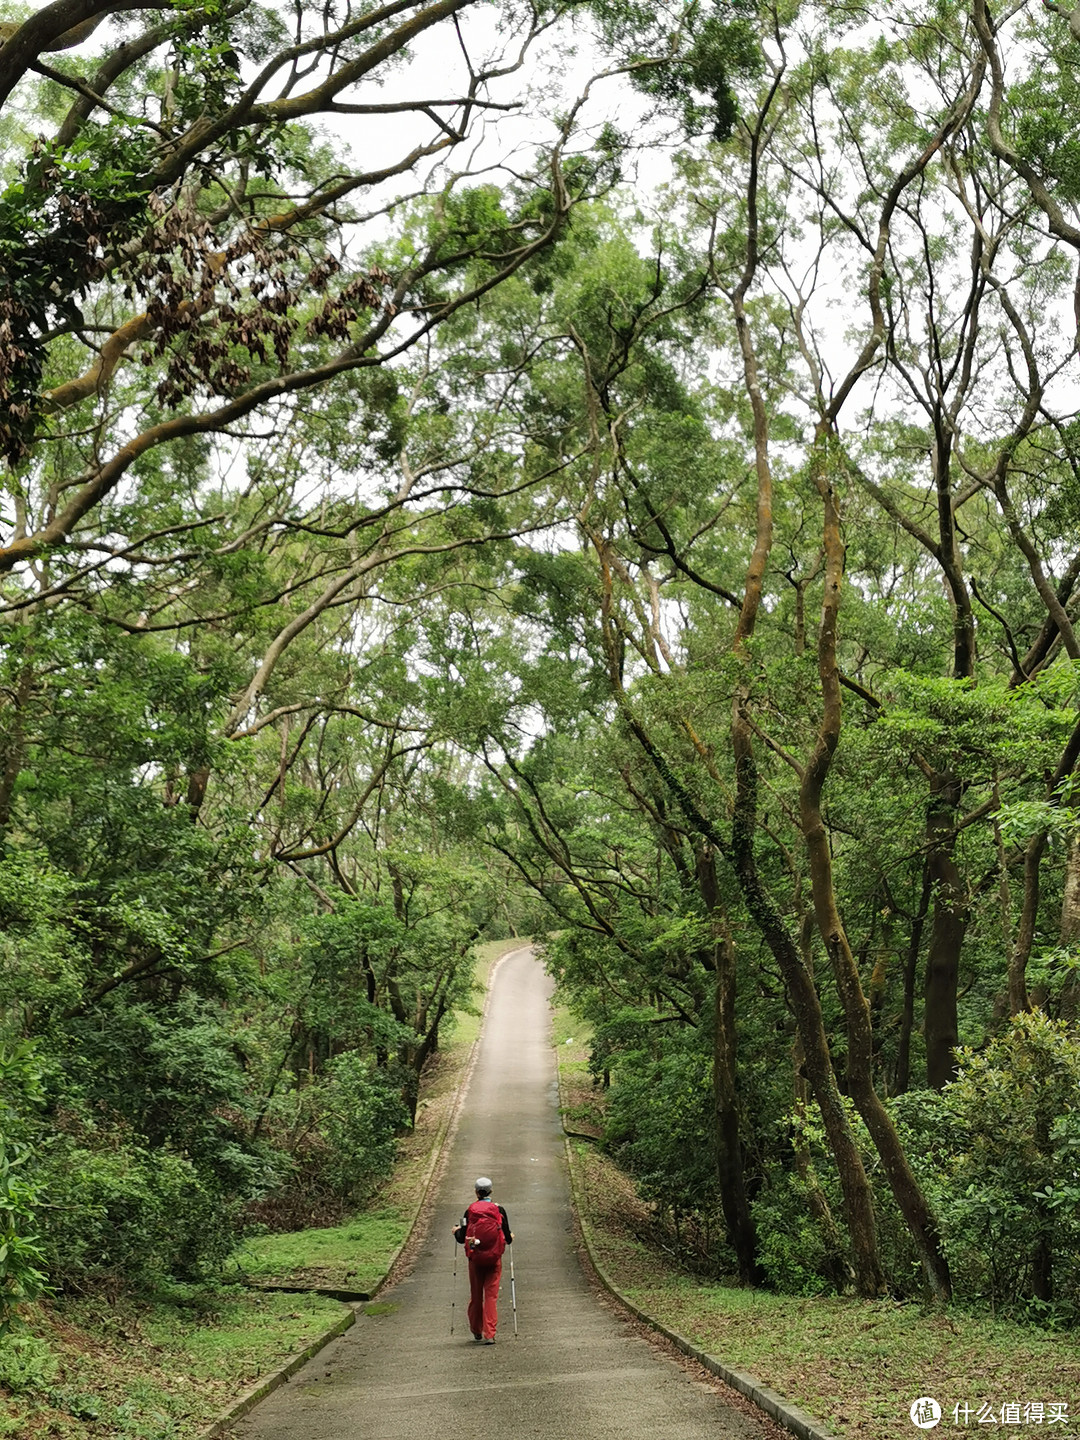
x=483 y=1295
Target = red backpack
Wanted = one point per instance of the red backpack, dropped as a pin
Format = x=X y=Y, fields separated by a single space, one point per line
x=484 y=1238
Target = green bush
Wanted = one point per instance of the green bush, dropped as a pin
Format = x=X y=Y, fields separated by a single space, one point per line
x=998 y=1151
x=791 y=1245
x=334 y=1139
x=362 y=1114
x=26 y=1364
x=123 y=1216
x=191 y=1095
x=21 y=1276
x=659 y=1128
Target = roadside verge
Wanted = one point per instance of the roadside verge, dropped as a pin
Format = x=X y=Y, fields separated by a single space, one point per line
x=269 y=1383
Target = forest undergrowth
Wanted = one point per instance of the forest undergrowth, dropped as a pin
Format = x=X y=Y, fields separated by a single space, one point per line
x=856 y=1365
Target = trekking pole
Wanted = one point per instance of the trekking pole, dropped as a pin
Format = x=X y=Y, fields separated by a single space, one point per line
x=453 y=1290
x=513 y=1292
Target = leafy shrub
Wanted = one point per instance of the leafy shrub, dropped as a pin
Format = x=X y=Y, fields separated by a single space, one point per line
x=362 y=1114
x=999 y=1153
x=126 y=1216
x=191 y=1097
x=21 y=1277
x=335 y=1139
x=39 y=955
x=26 y=1364
x=659 y=1128
x=791 y=1245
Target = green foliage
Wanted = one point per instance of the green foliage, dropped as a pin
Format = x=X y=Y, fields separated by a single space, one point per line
x=658 y=1127
x=359 y=1111
x=39 y=953
x=1043 y=105
x=791 y=1244
x=21 y=1088
x=22 y=1258
x=22 y=1275
x=52 y=224
x=969 y=729
x=26 y=1363
x=999 y=1151
x=192 y=1091
x=696 y=80
x=122 y=1215
x=1023 y=819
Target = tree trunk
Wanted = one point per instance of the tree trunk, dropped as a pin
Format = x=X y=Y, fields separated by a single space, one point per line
x=1042 y=1262
x=741 y=1234
x=1070 y=924
x=947 y=931
x=802 y=993
x=1070 y=908
x=905 y=1188
x=1019 y=1000
x=902 y=1078
x=14 y=751
x=427 y=1045
x=198 y=780
x=836 y=1263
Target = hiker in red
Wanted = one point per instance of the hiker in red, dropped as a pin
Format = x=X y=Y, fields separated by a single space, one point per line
x=485 y=1233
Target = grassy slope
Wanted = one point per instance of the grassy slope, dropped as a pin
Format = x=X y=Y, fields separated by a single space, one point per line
x=353 y=1256
x=856 y=1365
x=155 y=1370
x=162 y=1369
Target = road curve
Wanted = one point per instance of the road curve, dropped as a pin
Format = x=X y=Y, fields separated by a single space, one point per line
x=575 y=1371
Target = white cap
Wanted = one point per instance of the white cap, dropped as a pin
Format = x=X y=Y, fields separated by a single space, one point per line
x=483 y=1183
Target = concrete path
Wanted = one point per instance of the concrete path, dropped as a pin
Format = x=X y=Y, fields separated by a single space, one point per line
x=576 y=1370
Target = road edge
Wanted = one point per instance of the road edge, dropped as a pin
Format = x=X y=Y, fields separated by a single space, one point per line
x=793 y=1418
x=249 y=1398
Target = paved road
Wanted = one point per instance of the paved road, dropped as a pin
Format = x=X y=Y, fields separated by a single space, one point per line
x=576 y=1371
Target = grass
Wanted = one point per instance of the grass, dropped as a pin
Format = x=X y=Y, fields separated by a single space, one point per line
x=162 y=1368
x=353 y=1256
x=580 y=1103
x=155 y=1369
x=855 y=1365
